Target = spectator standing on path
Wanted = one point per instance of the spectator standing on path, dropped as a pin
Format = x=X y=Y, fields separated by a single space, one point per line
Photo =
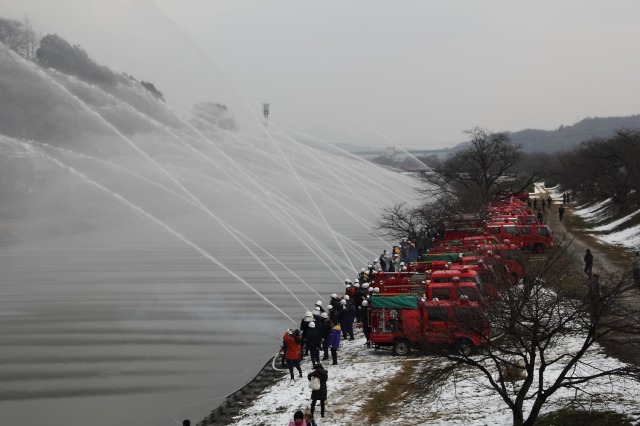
x=636 y=268
x=561 y=212
x=543 y=204
x=549 y=201
x=535 y=204
x=540 y=217
x=588 y=263
x=320 y=394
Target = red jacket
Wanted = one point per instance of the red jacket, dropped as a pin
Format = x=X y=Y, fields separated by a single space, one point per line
x=292 y=352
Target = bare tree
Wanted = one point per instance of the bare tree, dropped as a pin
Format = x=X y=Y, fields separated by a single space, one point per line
x=525 y=360
x=474 y=174
x=399 y=221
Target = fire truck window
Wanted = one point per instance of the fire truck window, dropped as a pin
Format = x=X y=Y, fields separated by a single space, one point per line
x=512 y=230
x=437 y=313
x=466 y=279
x=468 y=316
x=543 y=231
x=440 y=279
x=441 y=293
x=525 y=230
x=470 y=292
x=494 y=230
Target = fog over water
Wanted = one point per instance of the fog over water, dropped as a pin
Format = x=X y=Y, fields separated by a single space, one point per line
x=151 y=260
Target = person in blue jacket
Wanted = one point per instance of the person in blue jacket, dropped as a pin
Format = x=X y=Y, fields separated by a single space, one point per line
x=334 y=342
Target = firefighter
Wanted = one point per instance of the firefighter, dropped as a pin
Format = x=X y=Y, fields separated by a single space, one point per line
x=362 y=276
x=316 y=314
x=314 y=342
x=347 y=316
x=334 y=302
x=371 y=272
x=304 y=326
x=325 y=329
x=364 y=319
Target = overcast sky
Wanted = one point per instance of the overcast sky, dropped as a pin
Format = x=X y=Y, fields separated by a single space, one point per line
x=416 y=72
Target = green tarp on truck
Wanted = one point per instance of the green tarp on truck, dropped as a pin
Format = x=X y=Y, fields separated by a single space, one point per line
x=408 y=302
x=446 y=257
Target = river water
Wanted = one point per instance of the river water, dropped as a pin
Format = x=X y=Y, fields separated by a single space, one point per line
x=128 y=325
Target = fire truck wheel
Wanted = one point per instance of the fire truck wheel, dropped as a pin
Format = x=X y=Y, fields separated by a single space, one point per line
x=464 y=346
x=539 y=248
x=401 y=347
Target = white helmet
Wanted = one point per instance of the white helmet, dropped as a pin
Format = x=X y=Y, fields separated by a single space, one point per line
x=319 y=303
x=312 y=324
x=346 y=280
x=365 y=285
x=324 y=315
x=343 y=302
x=334 y=296
x=329 y=307
x=362 y=270
x=346 y=297
x=356 y=285
x=308 y=314
x=357 y=280
x=365 y=303
x=376 y=290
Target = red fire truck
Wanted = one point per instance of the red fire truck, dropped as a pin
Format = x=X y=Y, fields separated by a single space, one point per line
x=404 y=322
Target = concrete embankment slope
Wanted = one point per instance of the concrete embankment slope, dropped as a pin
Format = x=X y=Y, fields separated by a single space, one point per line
x=241 y=398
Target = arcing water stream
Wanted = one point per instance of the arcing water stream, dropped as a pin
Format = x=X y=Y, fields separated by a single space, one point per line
x=148 y=269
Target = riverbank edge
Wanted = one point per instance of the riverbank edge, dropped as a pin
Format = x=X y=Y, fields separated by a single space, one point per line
x=244 y=396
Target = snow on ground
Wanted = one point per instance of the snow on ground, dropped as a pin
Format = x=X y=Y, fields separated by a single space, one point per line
x=466 y=401
x=615 y=223
x=360 y=371
x=629 y=237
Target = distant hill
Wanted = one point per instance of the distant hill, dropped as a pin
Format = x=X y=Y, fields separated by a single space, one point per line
x=566 y=137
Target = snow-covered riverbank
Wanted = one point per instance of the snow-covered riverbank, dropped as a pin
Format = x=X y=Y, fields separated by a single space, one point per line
x=362 y=372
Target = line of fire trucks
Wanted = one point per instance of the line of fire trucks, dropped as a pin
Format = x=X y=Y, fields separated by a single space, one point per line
x=440 y=300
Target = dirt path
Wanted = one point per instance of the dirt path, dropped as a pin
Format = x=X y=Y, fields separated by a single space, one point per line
x=579 y=243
